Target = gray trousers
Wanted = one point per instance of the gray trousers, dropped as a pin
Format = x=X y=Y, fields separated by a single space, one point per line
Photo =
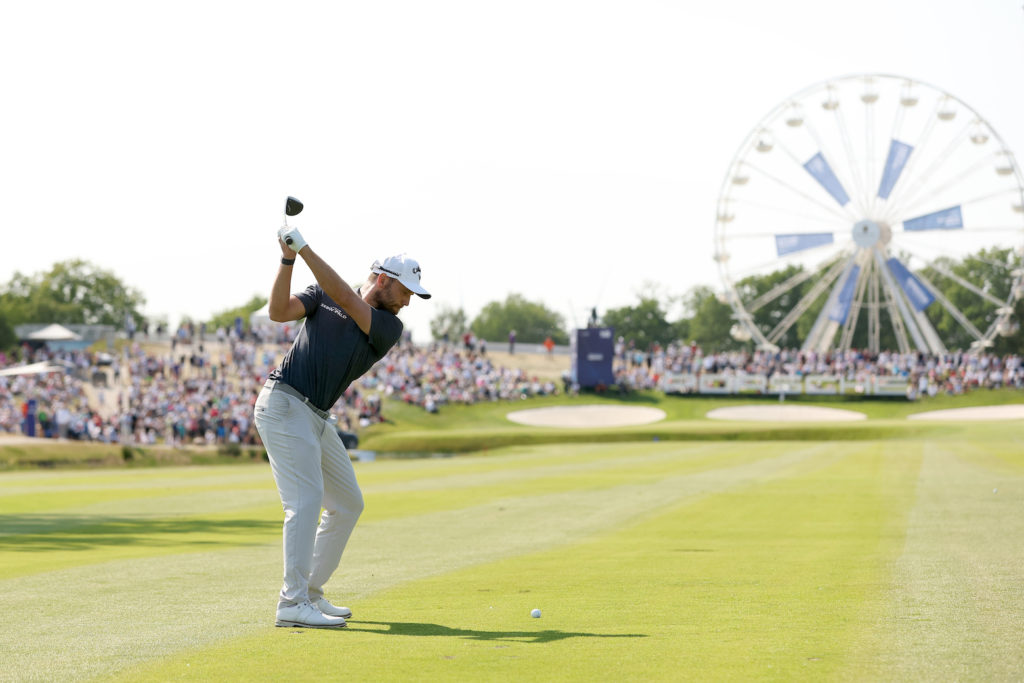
x=312 y=470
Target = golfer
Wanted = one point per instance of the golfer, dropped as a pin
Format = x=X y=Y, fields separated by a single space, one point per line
x=346 y=331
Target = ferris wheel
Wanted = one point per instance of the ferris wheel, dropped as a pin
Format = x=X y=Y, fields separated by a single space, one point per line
x=871 y=208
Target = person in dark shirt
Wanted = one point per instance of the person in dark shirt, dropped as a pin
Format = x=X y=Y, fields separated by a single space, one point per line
x=345 y=332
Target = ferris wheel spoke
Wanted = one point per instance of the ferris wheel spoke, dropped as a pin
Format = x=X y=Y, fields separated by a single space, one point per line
x=843 y=216
x=788 y=285
x=850 y=325
x=784 y=211
x=823 y=173
x=936 y=249
x=943 y=270
x=912 y=297
x=949 y=212
x=807 y=300
x=915 y=185
x=857 y=185
x=955 y=312
x=869 y=137
x=776 y=263
x=900 y=309
x=874 y=313
x=921 y=142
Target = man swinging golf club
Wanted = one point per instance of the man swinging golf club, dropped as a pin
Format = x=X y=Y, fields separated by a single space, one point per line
x=346 y=331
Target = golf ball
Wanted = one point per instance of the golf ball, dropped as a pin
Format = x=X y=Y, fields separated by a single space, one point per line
x=535 y=614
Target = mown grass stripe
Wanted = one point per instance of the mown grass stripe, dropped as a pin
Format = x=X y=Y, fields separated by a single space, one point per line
x=763 y=578
x=957 y=609
x=191 y=600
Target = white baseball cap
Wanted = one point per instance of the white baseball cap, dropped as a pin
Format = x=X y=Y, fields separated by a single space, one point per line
x=403 y=269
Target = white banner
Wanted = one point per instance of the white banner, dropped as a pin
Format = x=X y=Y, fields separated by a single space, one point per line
x=821 y=384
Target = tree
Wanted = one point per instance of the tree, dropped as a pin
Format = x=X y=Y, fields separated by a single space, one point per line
x=990 y=270
x=226 y=319
x=448 y=321
x=533 y=322
x=72 y=292
x=644 y=323
x=8 y=340
x=711 y=319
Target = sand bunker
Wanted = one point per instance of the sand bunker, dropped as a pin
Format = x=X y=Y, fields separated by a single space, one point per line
x=587 y=416
x=976 y=414
x=783 y=413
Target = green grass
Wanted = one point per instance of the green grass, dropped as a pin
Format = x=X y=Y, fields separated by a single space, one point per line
x=463 y=429
x=809 y=559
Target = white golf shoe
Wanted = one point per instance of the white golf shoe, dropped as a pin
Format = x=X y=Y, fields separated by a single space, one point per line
x=327 y=608
x=306 y=615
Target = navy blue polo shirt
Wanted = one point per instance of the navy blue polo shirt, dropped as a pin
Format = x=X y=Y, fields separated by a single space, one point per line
x=330 y=351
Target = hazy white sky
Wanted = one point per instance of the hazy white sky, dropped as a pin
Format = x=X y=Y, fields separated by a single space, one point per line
x=570 y=151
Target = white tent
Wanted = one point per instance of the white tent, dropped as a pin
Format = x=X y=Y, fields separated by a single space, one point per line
x=260 y=318
x=54 y=332
x=33 y=369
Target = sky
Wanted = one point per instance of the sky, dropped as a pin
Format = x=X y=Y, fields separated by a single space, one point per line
x=568 y=151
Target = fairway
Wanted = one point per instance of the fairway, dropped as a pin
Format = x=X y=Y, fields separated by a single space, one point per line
x=843 y=560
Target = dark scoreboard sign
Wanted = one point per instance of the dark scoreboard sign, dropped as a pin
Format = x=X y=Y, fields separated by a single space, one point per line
x=592 y=350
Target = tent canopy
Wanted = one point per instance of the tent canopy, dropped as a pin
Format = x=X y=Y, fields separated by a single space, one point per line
x=54 y=332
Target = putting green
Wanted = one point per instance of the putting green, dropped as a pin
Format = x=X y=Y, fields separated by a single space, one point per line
x=856 y=560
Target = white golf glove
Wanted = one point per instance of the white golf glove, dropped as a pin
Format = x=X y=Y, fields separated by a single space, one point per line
x=290 y=235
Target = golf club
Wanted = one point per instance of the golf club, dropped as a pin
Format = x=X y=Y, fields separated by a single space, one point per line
x=292 y=207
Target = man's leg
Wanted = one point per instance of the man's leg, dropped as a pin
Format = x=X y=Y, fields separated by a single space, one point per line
x=342 y=502
x=287 y=429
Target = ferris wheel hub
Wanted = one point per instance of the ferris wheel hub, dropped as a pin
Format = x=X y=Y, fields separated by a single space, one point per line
x=868 y=234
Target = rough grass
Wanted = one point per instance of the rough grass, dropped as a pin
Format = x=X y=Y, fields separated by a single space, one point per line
x=806 y=560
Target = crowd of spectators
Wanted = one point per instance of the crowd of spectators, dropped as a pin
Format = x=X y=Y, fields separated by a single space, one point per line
x=444 y=373
x=197 y=393
x=927 y=374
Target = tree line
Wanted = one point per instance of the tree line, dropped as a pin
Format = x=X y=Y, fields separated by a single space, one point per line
x=78 y=292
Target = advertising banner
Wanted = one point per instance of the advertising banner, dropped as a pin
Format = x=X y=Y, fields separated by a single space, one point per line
x=917 y=294
x=750 y=384
x=841 y=306
x=826 y=177
x=899 y=152
x=715 y=383
x=821 y=384
x=789 y=385
x=947 y=219
x=890 y=386
x=787 y=244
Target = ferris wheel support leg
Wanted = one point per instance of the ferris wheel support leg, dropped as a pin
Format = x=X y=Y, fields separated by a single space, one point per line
x=874 y=317
x=824 y=329
x=909 y=321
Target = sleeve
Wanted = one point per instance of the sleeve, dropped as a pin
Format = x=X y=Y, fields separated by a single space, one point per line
x=385 y=330
x=310 y=298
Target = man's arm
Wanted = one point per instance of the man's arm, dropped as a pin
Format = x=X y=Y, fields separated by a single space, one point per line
x=283 y=306
x=338 y=289
x=329 y=280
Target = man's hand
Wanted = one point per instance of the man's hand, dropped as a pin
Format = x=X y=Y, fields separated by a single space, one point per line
x=291 y=237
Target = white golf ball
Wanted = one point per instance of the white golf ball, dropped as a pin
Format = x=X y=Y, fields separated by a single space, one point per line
x=535 y=614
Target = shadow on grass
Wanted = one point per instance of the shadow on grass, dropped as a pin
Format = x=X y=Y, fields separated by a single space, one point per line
x=397 y=628
x=34 y=533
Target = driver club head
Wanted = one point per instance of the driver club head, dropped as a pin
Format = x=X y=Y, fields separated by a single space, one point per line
x=292 y=207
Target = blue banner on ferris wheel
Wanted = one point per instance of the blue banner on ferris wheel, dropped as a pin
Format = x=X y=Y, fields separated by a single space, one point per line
x=787 y=244
x=899 y=152
x=947 y=219
x=822 y=172
x=917 y=294
x=841 y=306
